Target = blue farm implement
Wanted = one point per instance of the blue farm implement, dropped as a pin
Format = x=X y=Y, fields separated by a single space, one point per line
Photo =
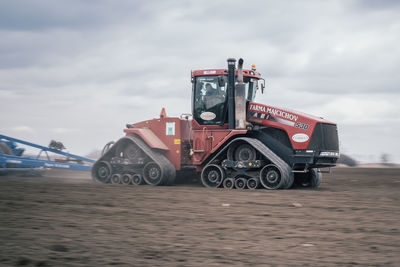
x=11 y=158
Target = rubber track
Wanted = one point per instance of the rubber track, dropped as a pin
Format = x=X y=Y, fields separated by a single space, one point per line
x=286 y=170
x=166 y=166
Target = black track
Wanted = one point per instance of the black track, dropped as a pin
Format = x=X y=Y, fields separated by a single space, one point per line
x=284 y=168
x=167 y=169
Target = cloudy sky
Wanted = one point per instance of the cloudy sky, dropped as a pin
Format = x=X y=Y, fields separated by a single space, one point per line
x=78 y=71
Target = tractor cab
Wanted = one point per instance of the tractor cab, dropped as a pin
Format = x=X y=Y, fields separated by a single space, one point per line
x=210 y=94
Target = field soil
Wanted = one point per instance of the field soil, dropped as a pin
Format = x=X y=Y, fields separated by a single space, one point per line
x=65 y=219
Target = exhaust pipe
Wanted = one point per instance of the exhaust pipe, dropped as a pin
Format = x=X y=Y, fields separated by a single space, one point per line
x=231 y=93
x=240 y=71
x=240 y=99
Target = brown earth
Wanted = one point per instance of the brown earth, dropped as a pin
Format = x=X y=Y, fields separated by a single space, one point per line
x=66 y=219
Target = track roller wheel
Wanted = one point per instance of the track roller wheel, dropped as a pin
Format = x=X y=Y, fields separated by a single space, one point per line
x=137 y=179
x=241 y=152
x=241 y=183
x=271 y=177
x=229 y=183
x=152 y=174
x=126 y=179
x=212 y=176
x=102 y=172
x=253 y=183
x=116 y=179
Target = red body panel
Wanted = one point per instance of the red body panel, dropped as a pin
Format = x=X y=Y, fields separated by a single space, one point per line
x=176 y=136
x=171 y=132
x=148 y=136
x=208 y=138
x=298 y=126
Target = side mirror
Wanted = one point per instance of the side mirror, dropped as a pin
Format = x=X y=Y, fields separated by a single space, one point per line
x=262 y=85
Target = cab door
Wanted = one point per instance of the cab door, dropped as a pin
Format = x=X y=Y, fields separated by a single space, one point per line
x=209 y=113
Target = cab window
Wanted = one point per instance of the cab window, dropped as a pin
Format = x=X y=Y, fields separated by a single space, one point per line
x=210 y=99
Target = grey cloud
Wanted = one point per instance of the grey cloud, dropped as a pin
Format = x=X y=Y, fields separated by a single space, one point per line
x=47 y=14
x=374 y=5
x=98 y=65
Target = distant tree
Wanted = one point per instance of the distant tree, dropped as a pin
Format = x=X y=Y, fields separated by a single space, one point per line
x=347 y=160
x=385 y=159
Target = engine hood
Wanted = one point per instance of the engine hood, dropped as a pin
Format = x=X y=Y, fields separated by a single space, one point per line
x=298 y=126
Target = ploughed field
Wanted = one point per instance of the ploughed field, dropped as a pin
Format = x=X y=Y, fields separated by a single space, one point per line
x=65 y=219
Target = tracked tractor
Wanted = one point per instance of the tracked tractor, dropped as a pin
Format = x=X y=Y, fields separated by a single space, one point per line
x=228 y=141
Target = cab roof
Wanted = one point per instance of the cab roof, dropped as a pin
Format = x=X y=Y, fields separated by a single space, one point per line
x=213 y=72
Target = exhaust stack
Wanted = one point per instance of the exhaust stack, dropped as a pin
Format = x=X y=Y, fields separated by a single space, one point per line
x=231 y=93
x=240 y=99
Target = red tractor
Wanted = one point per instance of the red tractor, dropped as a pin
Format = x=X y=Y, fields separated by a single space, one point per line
x=228 y=139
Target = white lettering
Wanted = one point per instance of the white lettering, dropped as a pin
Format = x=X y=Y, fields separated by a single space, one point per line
x=282 y=114
x=274 y=112
x=257 y=108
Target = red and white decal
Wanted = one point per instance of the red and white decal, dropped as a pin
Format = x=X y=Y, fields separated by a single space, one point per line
x=207 y=116
x=300 y=138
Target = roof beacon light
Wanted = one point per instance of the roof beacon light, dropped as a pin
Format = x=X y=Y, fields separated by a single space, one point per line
x=253 y=67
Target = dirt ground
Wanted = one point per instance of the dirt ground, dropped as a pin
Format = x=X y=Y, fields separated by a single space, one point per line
x=65 y=219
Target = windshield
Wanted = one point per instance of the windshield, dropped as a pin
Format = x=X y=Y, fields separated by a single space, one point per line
x=210 y=97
